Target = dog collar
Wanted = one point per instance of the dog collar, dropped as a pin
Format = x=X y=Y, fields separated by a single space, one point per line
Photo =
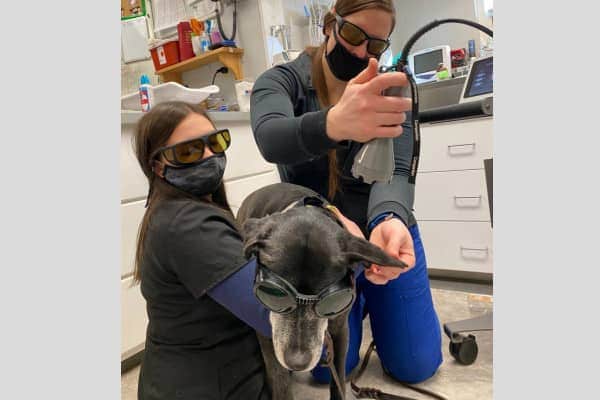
x=316 y=201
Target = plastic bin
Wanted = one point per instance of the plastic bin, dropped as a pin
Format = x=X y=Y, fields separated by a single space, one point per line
x=164 y=53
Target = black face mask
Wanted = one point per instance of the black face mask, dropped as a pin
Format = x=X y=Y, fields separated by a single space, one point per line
x=199 y=179
x=343 y=64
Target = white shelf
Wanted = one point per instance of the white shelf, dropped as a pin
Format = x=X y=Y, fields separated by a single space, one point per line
x=132 y=117
x=224 y=116
x=166 y=92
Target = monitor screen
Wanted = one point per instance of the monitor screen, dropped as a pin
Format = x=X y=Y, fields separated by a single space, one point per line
x=481 y=78
x=428 y=61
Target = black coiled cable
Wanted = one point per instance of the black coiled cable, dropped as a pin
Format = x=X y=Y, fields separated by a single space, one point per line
x=402 y=66
x=220 y=24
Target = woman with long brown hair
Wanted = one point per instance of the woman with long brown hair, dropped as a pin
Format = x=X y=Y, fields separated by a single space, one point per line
x=198 y=344
x=311 y=116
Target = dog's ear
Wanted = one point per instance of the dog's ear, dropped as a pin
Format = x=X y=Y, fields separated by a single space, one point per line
x=354 y=250
x=253 y=237
x=255 y=232
x=251 y=227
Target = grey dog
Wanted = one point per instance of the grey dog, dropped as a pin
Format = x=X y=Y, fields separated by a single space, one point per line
x=309 y=248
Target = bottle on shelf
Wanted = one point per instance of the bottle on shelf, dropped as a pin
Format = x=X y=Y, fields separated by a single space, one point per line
x=204 y=42
x=145 y=93
x=215 y=35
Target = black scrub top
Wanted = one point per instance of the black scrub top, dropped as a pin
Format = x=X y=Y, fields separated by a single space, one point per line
x=195 y=348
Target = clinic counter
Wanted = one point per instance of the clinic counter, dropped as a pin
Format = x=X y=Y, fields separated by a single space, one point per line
x=455 y=119
x=132 y=117
x=457 y=112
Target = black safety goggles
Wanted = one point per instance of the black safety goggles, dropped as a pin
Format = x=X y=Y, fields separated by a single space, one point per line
x=191 y=151
x=356 y=36
x=281 y=297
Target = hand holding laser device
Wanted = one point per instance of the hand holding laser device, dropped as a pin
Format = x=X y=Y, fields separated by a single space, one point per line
x=374 y=115
x=373 y=162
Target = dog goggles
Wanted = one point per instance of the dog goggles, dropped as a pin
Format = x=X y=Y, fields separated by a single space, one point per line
x=192 y=151
x=281 y=297
x=356 y=36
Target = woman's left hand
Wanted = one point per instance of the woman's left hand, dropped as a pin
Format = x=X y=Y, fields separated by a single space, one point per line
x=394 y=238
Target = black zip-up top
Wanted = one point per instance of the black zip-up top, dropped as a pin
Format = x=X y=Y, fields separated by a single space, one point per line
x=289 y=127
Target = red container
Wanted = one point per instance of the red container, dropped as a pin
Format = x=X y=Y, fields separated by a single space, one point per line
x=458 y=57
x=184 y=32
x=165 y=53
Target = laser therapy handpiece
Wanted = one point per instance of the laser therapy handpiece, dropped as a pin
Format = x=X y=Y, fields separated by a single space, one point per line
x=375 y=160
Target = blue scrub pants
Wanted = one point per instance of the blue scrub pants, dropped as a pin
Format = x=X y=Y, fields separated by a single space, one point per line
x=404 y=323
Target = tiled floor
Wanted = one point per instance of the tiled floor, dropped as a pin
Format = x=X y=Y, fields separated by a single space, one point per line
x=454 y=381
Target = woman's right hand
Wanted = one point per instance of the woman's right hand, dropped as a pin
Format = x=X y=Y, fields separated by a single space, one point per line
x=362 y=113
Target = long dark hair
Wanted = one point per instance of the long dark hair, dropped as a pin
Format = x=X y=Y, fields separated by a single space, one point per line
x=343 y=8
x=153 y=131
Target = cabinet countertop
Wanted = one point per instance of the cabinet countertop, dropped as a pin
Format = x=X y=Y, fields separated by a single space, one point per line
x=132 y=117
x=457 y=120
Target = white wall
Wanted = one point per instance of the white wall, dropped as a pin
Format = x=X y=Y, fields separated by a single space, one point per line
x=252 y=38
x=298 y=23
x=131 y=72
x=248 y=37
x=484 y=19
x=256 y=16
x=411 y=15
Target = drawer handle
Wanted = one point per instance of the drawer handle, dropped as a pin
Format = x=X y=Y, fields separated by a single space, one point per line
x=465 y=204
x=464 y=145
x=485 y=249
x=474 y=253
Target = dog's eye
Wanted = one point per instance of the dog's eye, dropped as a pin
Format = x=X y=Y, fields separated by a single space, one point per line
x=275 y=298
x=272 y=291
x=334 y=303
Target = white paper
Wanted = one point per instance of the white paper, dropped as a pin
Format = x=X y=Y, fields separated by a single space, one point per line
x=168 y=13
x=134 y=40
x=202 y=9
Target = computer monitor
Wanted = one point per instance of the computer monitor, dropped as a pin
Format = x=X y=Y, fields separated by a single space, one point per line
x=424 y=63
x=480 y=81
x=428 y=61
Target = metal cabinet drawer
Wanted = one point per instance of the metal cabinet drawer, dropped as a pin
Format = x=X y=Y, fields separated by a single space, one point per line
x=452 y=196
x=239 y=189
x=134 y=319
x=458 y=246
x=456 y=145
x=131 y=217
x=134 y=184
x=243 y=157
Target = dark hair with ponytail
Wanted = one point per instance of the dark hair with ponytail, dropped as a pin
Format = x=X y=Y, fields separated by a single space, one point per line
x=342 y=8
x=153 y=131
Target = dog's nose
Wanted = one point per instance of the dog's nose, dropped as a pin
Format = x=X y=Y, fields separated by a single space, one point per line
x=298 y=361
